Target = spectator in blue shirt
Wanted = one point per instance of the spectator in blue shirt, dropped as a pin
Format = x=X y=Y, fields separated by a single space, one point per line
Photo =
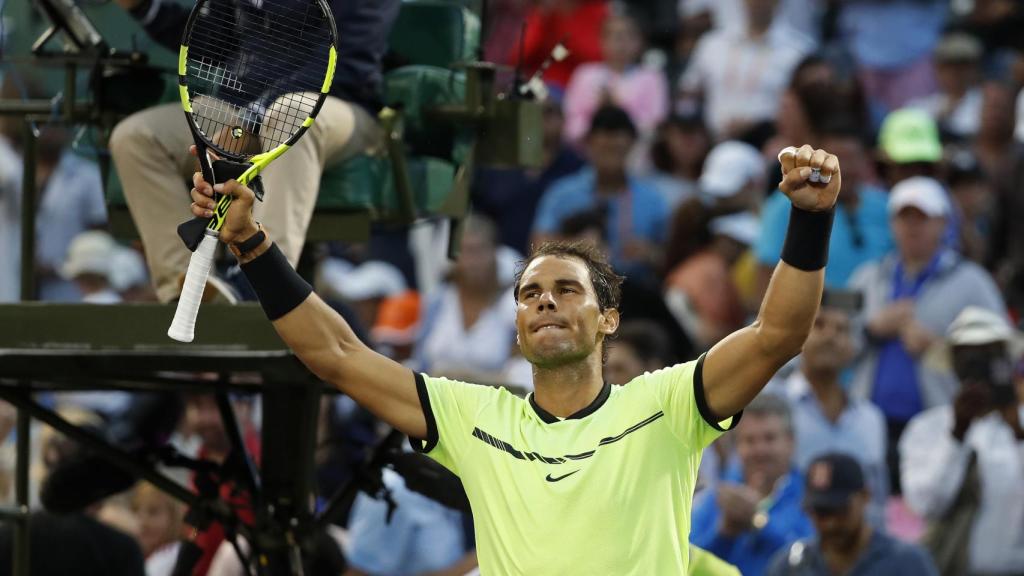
x=756 y=511
x=826 y=419
x=860 y=232
x=846 y=544
x=636 y=213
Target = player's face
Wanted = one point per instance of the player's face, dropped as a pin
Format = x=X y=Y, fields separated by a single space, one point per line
x=557 y=314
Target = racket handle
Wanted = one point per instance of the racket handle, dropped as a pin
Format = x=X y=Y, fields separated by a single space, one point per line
x=183 y=326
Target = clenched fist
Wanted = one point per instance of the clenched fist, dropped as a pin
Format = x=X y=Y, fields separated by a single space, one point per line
x=810 y=178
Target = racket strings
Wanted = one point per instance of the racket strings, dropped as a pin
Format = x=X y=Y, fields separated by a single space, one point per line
x=254 y=73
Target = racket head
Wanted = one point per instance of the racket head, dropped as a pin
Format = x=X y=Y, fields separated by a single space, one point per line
x=253 y=74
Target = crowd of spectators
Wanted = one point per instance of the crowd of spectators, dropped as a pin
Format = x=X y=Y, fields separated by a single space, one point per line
x=660 y=135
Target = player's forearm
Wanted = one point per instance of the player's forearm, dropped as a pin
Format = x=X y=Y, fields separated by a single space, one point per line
x=788 y=310
x=317 y=334
x=794 y=292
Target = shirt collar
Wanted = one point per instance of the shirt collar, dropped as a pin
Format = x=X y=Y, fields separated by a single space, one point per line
x=550 y=418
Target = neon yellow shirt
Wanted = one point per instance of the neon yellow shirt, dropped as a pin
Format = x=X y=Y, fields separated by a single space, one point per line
x=606 y=491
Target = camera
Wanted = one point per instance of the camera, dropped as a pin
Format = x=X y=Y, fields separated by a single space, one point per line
x=988 y=364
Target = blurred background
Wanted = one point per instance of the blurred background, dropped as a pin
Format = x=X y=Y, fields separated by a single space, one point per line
x=650 y=128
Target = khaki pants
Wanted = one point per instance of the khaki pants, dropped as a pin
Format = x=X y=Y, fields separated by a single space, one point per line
x=150 y=151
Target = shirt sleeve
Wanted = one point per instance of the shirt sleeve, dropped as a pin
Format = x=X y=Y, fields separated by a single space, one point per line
x=679 y=390
x=450 y=409
x=933 y=464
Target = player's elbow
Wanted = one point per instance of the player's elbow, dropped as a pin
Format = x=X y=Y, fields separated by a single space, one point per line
x=331 y=363
x=779 y=342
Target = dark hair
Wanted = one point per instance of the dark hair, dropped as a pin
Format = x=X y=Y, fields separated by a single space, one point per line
x=661 y=157
x=579 y=222
x=688 y=233
x=648 y=340
x=606 y=283
x=611 y=119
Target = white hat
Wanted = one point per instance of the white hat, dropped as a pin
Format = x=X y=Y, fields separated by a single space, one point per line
x=729 y=167
x=975 y=326
x=921 y=192
x=90 y=252
x=744 y=227
x=373 y=279
x=127 y=269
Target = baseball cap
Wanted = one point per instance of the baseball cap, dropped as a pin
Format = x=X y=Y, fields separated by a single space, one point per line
x=958 y=47
x=921 y=192
x=910 y=135
x=89 y=253
x=729 y=167
x=744 y=227
x=831 y=480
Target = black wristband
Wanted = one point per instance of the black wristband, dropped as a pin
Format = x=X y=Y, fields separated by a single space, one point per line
x=807 y=238
x=253 y=242
x=278 y=286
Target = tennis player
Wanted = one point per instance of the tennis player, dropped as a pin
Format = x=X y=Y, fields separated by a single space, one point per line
x=580 y=477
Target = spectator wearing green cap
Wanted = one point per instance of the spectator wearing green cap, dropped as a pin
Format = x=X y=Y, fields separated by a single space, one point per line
x=909 y=145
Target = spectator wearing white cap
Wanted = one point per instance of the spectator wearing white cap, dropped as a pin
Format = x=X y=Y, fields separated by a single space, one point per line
x=89 y=266
x=733 y=177
x=963 y=463
x=910 y=298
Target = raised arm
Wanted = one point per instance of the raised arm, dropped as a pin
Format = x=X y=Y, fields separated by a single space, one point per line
x=317 y=334
x=738 y=367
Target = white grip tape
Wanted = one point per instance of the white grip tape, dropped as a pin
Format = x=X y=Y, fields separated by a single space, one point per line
x=183 y=326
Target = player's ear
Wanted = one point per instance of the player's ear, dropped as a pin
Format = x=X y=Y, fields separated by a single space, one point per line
x=608 y=321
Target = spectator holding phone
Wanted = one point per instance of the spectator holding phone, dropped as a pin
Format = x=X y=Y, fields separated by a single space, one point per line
x=968 y=457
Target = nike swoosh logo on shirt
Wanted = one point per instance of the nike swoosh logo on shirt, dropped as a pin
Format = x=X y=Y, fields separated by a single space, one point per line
x=549 y=478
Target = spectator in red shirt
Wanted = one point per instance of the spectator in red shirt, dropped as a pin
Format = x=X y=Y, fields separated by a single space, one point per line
x=575 y=23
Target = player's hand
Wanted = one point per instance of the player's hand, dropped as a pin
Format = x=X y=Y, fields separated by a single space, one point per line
x=806 y=188
x=239 y=224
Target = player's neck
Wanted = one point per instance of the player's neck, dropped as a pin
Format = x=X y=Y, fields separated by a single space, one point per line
x=567 y=389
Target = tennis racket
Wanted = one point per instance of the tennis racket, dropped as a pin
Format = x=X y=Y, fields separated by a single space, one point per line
x=252 y=74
